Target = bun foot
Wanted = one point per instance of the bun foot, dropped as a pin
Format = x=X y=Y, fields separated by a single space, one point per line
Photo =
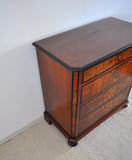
x=72 y=143
x=49 y=122
x=125 y=106
x=47 y=119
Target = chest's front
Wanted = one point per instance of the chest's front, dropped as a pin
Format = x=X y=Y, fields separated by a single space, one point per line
x=86 y=75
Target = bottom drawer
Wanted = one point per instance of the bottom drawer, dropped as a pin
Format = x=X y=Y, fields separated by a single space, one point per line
x=102 y=110
x=104 y=97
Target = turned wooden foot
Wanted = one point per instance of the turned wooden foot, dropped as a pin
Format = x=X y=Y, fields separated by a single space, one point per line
x=125 y=106
x=72 y=143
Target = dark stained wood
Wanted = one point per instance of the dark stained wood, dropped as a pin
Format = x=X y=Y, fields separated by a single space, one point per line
x=94 y=71
x=78 y=102
x=125 y=106
x=106 y=80
x=74 y=104
x=122 y=105
x=72 y=142
x=86 y=75
x=49 y=118
x=102 y=110
x=101 y=120
x=57 y=89
x=88 y=45
x=93 y=104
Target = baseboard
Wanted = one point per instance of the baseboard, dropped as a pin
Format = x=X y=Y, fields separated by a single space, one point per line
x=9 y=137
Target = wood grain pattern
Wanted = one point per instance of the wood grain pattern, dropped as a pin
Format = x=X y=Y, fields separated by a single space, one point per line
x=106 y=80
x=88 y=45
x=103 y=110
x=101 y=120
x=107 y=64
x=86 y=75
x=93 y=104
x=57 y=95
x=74 y=104
x=78 y=101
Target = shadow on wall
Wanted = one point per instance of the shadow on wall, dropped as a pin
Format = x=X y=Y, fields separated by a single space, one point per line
x=20 y=90
x=18 y=67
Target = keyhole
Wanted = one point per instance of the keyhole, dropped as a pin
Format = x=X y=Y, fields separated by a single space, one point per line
x=115 y=75
x=119 y=57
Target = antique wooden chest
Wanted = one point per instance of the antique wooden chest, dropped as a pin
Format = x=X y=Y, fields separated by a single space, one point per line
x=86 y=75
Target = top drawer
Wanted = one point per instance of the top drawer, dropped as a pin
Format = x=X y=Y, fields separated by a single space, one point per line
x=101 y=67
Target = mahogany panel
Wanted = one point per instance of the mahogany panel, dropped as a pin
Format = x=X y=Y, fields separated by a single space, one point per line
x=86 y=75
x=103 y=66
x=74 y=103
x=57 y=90
x=88 y=45
x=93 y=104
x=103 y=110
x=122 y=105
x=78 y=101
x=105 y=80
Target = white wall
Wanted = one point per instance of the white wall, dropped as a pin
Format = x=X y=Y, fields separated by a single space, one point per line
x=23 y=22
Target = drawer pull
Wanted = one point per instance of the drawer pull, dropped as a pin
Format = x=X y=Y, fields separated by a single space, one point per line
x=119 y=57
x=115 y=75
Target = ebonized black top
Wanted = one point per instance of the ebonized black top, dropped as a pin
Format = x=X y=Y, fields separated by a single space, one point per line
x=83 y=47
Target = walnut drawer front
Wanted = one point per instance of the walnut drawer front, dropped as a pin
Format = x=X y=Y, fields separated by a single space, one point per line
x=101 y=67
x=93 y=104
x=104 y=81
x=103 y=110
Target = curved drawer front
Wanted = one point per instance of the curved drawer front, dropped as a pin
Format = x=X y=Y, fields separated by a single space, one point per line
x=93 y=88
x=103 y=110
x=93 y=104
x=101 y=67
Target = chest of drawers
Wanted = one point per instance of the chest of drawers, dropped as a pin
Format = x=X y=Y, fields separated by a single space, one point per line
x=86 y=75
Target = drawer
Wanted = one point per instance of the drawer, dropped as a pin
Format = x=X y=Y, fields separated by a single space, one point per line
x=103 y=82
x=101 y=67
x=102 y=110
x=93 y=104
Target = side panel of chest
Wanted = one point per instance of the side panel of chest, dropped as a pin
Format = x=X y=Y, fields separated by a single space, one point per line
x=57 y=90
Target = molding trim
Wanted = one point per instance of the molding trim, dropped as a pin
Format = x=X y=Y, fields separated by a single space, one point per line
x=86 y=66
x=20 y=130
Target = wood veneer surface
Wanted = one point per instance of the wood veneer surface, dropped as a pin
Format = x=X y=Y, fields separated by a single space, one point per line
x=85 y=46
